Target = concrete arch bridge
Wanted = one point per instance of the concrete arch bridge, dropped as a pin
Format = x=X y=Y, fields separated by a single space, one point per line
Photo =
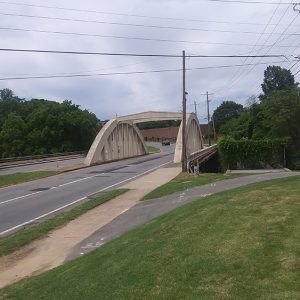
x=120 y=138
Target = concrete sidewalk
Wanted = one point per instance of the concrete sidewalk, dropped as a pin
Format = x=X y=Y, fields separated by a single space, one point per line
x=52 y=251
x=145 y=211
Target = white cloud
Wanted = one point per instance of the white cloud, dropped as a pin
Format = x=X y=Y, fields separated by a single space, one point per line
x=125 y=94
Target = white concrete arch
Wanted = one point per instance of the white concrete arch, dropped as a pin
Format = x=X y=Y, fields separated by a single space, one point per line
x=120 y=138
x=116 y=140
x=194 y=141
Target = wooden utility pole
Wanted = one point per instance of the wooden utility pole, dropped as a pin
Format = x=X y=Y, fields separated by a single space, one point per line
x=184 y=158
x=195 y=105
x=208 y=118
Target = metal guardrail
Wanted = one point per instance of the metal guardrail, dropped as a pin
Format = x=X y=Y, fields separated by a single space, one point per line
x=41 y=156
x=203 y=154
x=36 y=159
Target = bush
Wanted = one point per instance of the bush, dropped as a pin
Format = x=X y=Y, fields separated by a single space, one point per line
x=242 y=154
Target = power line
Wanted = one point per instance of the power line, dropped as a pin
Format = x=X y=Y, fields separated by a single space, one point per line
x=127 y=37
x=133 y=24
x=252 y=2
x=137 y=15
x=270 y=48
x=238 y=74
x=126 y=73
x=134 y=54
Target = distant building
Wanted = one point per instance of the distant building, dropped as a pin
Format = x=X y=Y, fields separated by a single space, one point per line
x=169 y=133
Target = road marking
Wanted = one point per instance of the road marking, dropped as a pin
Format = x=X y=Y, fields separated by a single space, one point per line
x=42 y=216
x=24 y=196
x=81 y=179
x=53 y=187
x=78 y=200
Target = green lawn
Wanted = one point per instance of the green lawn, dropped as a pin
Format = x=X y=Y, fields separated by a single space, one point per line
x=184 y=181
x=240 y=244
x=152 y=149
x=25 y=236
x=11 y=179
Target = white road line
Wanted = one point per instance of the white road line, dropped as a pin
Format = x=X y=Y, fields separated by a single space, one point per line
x=24 y=196
x=78 y=200
x=40 y=217
x=53 y=187
x=71 y=182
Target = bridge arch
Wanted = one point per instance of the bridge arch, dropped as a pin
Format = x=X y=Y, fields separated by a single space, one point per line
x=120 y=138
x=194 y=141
x=116 y=140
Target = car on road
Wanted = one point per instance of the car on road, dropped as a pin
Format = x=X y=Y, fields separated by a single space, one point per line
x=165 y=143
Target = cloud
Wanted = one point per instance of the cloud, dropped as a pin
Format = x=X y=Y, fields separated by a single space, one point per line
x=125 y=94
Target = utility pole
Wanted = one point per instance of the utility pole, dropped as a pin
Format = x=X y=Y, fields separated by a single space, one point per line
x=195 y=105
x=184 y=158
x=208 y=117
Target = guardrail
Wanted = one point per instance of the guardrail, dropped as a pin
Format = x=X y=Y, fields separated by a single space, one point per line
x=41 y=156
x=35 y=159
x=203 y=154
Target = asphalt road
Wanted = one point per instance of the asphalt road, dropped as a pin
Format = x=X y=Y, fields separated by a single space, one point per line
x=150 y=209
x=28 y=202
x=53 y=165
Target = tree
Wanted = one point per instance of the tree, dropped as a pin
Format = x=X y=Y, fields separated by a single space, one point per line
x=40 y=126
x=277 y=78
x=12 y=136
x=225 y=112
x=6 y=94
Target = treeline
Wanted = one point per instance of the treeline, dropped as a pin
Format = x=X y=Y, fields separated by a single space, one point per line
x=274 y=116
x=159 y=124
x=41 y=126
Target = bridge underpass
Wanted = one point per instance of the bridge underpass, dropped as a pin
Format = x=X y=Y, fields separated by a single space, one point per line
x=120 y=138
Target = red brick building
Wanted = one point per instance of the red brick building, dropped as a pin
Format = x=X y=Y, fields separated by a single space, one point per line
x=169 y=133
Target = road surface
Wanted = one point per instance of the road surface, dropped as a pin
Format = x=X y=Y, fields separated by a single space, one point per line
x=28 y=202
x=52 y=165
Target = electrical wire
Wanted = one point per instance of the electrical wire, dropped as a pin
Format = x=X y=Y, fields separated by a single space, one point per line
x=240 y=71
x=133 y=15
x=127 y=37
x=132 y=54
x=125 y=73
x=134 y=24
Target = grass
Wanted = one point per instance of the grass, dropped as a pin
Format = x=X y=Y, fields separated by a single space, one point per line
x=25 y=236
x=10 y=179
x=152 y=149
x=239 y=244
x=184 y=181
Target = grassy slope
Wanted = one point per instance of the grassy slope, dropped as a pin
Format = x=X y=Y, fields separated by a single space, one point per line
x=11 y=179
x=184 y=181
x=152 y=149
x=241 y=244
x=23 y=237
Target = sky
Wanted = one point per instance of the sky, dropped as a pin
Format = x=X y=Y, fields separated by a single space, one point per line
x=199 y=27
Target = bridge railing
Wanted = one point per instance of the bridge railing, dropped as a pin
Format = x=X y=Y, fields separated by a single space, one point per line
x=202 y=155
x=12 y=161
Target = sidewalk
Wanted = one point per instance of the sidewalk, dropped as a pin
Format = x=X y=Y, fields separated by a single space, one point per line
x=51 y=251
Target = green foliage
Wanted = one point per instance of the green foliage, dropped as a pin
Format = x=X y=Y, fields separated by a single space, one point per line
x=237 y=128
x=239 y=244
x=10 y=179
x=226 y=112
x=277 y=78
x=40 y=126
x=158 y=124
x=183 y=182
x=251 y=153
